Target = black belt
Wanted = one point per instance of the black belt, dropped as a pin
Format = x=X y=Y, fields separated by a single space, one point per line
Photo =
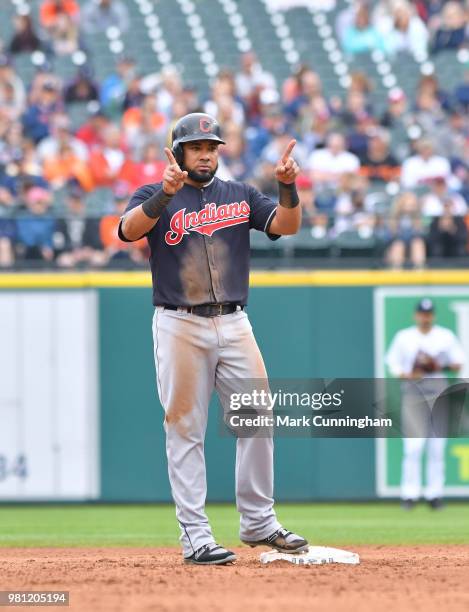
x=206 y=310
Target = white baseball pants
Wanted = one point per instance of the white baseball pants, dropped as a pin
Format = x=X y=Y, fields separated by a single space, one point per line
x=194 y=356
x=411 y=484
x=424 y=427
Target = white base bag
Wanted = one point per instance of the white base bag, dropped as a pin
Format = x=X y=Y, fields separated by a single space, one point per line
x=315 y=555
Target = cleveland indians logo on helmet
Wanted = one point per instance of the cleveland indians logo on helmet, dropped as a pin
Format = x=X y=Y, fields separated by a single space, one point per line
x=205 y=125
x=206 y=221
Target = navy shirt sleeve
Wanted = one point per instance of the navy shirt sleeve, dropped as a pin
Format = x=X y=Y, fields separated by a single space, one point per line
x=142 y=194
x=262 y=212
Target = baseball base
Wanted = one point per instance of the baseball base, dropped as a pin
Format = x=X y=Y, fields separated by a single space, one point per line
x=315 y=555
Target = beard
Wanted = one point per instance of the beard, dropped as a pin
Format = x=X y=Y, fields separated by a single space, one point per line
x=201 y=177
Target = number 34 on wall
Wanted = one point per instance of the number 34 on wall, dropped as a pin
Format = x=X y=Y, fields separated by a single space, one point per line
x=13 y=466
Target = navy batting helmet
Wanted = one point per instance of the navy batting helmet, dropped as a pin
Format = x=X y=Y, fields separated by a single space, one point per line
x=195 y=126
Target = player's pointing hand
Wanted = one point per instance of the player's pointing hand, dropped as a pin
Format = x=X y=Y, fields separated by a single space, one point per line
x=173 y=176
x=287 y=169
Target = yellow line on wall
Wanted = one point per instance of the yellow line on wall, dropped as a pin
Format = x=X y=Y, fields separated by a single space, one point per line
x=280 y=278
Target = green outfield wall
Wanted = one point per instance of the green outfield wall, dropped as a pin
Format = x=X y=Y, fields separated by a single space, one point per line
x=308 y=325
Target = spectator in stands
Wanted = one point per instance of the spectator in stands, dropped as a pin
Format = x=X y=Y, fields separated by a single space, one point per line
x=223 y=104
x=312 y=218
x=91 y=132
x=403 y=30
x=452 y=32
x=25 y=39
x=429 y=109
x=406 y=229
x=264 y=178
x=430 y=84
x=149 y=169
x=396 y=115
x=271 y=121
x=8 y=102
x=37 y=117
x=134 y=95
x=189 y=98
x=352 y=199
x=23 y=173
x=7 y=239
x=107 y=161
x=291 y=87
x=430 y=10
x=433 y=202
x=52 y=10
x=12 y=90
x=356 y=109
x=328 y=164
x=462 y=173
x=451 y=135
x=65 y=35
x=114 y=248
x=425 y=166
x=349 y=185
x=461 y=93
x=114 y=87
x=99 y=15
x=356 y=217
x=168 y=87
x=252 y=77
x=179 y=109
x=7 y=199
x=11 y=144
x=314 y=122
x=234 y=153
x=35 y=227
x=279 y=142
x=359 y=81
x=82 y=88
x=379 y=164
x=76 y=238
x=448 y=233
x=60 y=135
x=309 y=88
x=65 y=165
x=361 y=36
x=143 y=123
x=304 y=187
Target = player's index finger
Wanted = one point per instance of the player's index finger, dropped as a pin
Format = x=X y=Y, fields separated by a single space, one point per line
x=288 y=150
x=170 y=156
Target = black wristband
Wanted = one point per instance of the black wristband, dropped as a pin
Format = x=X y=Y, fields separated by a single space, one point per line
x=154 y=206
x=288 y=196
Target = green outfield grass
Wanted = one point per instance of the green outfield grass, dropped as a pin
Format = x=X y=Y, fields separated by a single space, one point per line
x=155 y=525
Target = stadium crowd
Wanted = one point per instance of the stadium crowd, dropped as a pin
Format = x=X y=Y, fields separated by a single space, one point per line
x=401 y=175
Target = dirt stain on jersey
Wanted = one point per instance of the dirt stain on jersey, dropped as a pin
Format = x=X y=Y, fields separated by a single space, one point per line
x=194 y=274
x=218 y=256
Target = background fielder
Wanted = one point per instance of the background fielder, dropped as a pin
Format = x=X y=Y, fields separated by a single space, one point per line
x=421 y=355
x=198 y=231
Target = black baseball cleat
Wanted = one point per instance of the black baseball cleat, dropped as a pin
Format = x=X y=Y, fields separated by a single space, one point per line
x=211 y=554
x=436 y=503
x=408 y=504
x=283 y=541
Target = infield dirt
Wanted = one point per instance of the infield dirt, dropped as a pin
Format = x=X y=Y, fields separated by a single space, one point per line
x=133 y=579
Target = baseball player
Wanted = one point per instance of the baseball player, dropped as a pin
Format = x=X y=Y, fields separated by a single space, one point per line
x=421 y=356
x=198 y=227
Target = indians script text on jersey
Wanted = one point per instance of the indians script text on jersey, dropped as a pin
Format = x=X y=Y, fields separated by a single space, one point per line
x=199 y=248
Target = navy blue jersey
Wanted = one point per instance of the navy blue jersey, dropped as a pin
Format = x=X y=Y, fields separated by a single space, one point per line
x=199 y=248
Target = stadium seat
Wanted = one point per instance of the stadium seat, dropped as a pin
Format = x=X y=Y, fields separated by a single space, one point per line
x=262 y=246
x=350 y=243
x=304 y=243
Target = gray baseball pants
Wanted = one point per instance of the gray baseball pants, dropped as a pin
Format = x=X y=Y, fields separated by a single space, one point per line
x=423 y=426
x=193 y=356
